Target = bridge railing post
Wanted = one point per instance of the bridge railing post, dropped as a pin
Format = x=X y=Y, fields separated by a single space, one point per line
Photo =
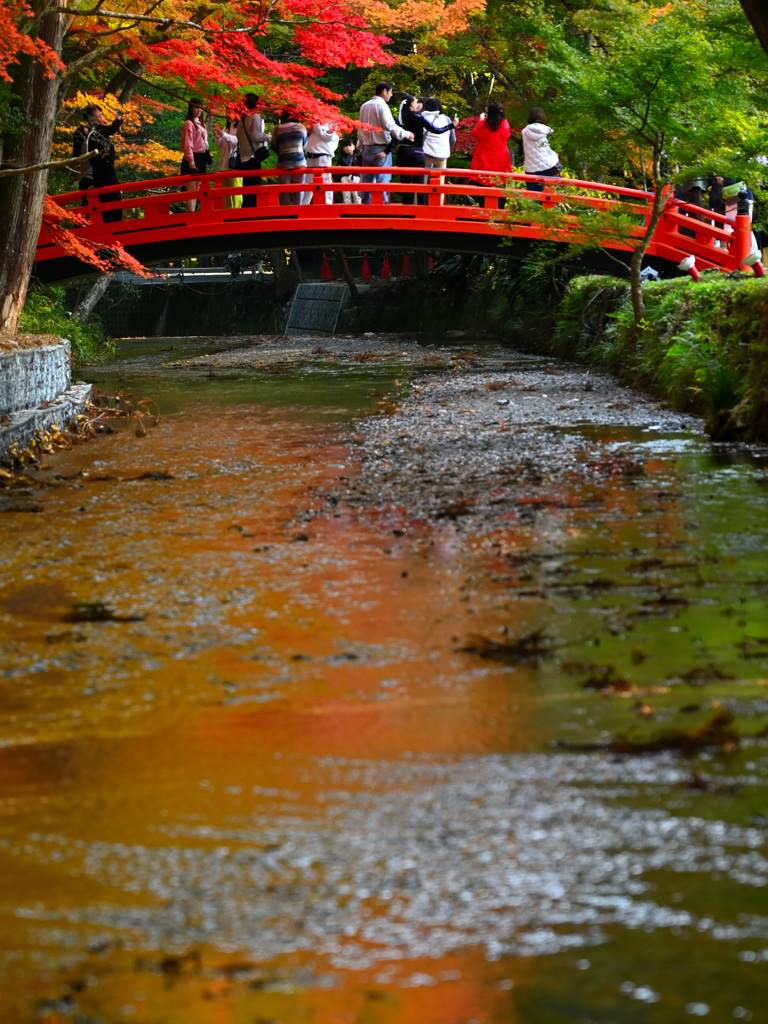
x=741 y=244
x=435 y=197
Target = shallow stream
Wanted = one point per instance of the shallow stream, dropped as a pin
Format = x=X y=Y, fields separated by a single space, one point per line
x=383 y=683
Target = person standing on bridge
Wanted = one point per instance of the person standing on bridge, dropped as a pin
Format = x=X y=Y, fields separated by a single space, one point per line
x=491 y=134
x=411 y=154
x=226 y=140
x=252 y=142
x=194 y=146
x=376 y=137
x=349 y=159
x=99 y=170
x=322 y=143
x=288 y=141
x=437 y=148
x=538 y=155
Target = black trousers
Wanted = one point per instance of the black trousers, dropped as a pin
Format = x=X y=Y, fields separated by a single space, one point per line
x=407 y=156
x=105 y=174
x=538 y=186
x=249 y=192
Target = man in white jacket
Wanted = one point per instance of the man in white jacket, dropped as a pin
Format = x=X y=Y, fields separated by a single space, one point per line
x=322 y=143
x=538 y=155
x=375 y=138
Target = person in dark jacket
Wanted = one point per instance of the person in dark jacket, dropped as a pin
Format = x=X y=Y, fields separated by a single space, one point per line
x=99 y=169
x=349 y=158
x=410 y=153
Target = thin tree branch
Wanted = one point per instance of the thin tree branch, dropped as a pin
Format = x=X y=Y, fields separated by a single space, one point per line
x=141 y=78
x=176 y=23
x=99 y=53
x=9 y=172
x=168 y=23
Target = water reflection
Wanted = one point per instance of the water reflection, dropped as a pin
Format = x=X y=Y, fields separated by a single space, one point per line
x=274 y=788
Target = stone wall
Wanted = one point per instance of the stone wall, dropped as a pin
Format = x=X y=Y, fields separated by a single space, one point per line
x=30 y=376
x=35 y=391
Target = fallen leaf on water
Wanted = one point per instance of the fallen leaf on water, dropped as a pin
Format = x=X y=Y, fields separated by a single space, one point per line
x=527 y=647
x=608 y=680
x=699 y=675
x=96 y=611
x=703 y=784
x=717 y=732
x=153 y=474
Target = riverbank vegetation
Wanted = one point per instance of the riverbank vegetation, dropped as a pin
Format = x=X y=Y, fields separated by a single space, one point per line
x=701 y=346
x=46 y=312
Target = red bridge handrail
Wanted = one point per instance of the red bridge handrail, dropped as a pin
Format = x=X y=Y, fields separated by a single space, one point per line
x=684 y=230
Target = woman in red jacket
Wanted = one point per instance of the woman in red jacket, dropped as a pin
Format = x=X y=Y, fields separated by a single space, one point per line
x=491 y=134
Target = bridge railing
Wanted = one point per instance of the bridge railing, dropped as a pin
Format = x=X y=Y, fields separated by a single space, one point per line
x=449 y=198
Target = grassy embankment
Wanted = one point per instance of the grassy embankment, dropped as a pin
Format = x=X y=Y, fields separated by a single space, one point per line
x=701 y=346
x=45 y=312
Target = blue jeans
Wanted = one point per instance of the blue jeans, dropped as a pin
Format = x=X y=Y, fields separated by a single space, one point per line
x=374 y=156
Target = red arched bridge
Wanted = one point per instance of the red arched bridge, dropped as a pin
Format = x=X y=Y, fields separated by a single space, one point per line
x=597 y=224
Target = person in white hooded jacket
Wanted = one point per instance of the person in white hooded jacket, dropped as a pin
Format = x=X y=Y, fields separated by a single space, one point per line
x=437 y=148
x=538 y=155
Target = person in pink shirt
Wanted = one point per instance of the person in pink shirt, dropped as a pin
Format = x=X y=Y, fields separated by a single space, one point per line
x=194 y=146
x=491 y=134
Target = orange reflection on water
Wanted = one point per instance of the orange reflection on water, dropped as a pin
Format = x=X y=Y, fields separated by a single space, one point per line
x=254 y=639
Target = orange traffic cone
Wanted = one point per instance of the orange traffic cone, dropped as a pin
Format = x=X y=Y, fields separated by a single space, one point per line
x=385 y=271
x=366 y=268
x=325 y=271
x=406 y=271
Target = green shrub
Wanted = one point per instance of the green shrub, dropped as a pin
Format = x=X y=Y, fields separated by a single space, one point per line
x=45 y=313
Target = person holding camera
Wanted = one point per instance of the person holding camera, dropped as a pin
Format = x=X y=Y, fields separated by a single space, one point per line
x=539 y=157
x=95 y=137
x=226 y=140
x=252 y=139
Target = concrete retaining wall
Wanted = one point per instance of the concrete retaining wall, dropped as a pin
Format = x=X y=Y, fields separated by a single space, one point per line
x=32 y=376
x=35 y=394
x=59 y=412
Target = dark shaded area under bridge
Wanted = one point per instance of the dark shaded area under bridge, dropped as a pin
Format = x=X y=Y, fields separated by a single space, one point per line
x=69 y=268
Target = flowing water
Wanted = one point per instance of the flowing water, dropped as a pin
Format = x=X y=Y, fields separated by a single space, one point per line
x=375 y=688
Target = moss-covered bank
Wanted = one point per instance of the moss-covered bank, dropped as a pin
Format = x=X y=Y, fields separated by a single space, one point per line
x=702 y=346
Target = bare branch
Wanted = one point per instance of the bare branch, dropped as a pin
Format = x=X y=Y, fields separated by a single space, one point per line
x=173 y=22
x=9 y=172
x=155 y=85
x=168 y=23
x=100 y=52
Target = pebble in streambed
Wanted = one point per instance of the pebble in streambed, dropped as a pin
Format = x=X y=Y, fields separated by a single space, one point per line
x=463 y=441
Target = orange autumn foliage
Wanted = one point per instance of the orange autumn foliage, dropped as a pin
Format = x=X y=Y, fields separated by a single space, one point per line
x=63 y=224
x=14 y=40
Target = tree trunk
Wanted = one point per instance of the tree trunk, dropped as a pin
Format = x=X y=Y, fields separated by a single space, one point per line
x=757 y=15
x=471 y=95
x=342 y=260
x=295 y=265
x=636 y=263
x=285 y=281
x=126 y=80
x=22 y=196
x=87 y=304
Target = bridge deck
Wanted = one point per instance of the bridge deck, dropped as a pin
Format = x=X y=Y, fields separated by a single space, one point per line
x=572 y=215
